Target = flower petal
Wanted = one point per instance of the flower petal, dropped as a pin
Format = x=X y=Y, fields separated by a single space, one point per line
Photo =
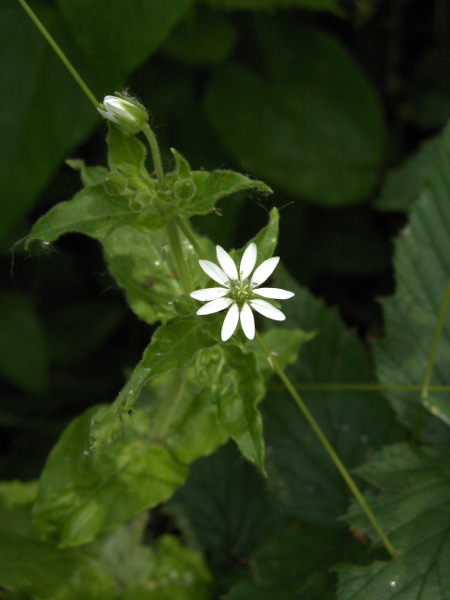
x=267 y=310
x=247 y=321
x=214 y=306
x=265 y=270
x=227 y=263
x=248 y=261
x=209 y=294
x=230 y=322
x=117 y=106
x=214 y=271
x=108 y=115
x=274 y=293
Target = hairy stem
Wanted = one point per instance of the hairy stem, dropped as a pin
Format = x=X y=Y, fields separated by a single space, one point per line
x=156 y=155
x=328 y=447
x=177 y=250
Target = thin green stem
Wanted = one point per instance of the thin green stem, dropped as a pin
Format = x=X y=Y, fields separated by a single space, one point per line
x=177 y=250
x=156 y=155
x=184 y=227
x=425 y=388
x=328 y=447
x=66 y=62
x=366 y=387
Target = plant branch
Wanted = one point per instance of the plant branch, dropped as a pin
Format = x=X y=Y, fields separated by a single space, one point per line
x=177 y=250
x=156 y=155
x=328 y=447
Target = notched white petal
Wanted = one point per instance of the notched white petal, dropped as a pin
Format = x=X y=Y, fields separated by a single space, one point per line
x=265 y=270
x=247 y=321
x=248 y=260
x=274 y=293
x=267 y=310
x=227 y=263
x=214 y=271
x=209 y=294
x=214 y=306
x=230 y=323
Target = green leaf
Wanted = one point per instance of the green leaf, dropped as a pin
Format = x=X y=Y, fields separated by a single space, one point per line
x=143 y=264
x=356 y=421
x=413 y=508
x=16 y=498
x=284 y=344
x=124 y=149
x=224 y=508
x=89 y=175
x=204 y=37
x=313 y=126
x=44 y=114
x=297 y=563
x=125 y=34
x=78 y=492
x=182 y=411
x=422 y=267
x=402 y=187
x=173 y=346
x=237 y=390
x=23 y=348
x=213 y=186
x=37 y=569
x=92 y=212
x=260 y=5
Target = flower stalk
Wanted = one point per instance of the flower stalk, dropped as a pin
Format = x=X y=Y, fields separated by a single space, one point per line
x=156 y=155
x=63 y=58
x=175 y=246
x=328 y=447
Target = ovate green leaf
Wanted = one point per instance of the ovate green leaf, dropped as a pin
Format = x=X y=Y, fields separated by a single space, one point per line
x=422 y=267
x=125 y=34
x=313 y=125
x=81 y=495
x=413 y=507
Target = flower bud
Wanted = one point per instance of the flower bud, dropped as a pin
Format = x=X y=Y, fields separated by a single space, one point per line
x=126 y=113
x=115 y=184
x=184 y=189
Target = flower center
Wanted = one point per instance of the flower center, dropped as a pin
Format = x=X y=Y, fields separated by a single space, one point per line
x=240 y=291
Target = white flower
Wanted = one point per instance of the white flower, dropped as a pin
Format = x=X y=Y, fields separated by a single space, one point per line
x=240 y=293
x=130 y=115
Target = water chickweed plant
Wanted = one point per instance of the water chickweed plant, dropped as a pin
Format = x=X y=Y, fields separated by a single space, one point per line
x=374 y=510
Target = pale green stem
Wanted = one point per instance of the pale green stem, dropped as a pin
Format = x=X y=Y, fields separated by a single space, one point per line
x=328 y=447
x=156 y=155
x=184 y=227
x=425 y=388
x=59 y=53
x=175 y=246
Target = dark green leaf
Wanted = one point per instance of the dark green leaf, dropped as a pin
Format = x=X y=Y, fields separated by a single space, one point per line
x=413 y=508
x=259 y=5
x=44 y=114
x=123 y=35
x=297 y=564
x=402 y=187
x=356 y=421
x=313 y=126
x=204 y=37
x=23 y=348
x=224 y=507
x=422 y=266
